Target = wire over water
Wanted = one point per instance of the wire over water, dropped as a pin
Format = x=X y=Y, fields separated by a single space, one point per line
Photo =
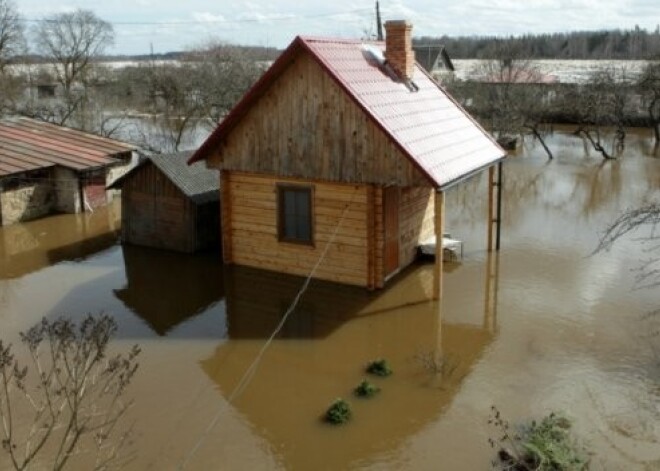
x=252 y=369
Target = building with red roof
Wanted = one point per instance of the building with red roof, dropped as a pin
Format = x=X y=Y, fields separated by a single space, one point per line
x=336 y=160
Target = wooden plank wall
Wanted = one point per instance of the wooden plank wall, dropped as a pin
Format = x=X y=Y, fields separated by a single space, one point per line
x=306 y=126
x=416 y=221
x=155 y=213
x=252 y=229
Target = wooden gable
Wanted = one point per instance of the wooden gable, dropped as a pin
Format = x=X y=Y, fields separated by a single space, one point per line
x=305 y=126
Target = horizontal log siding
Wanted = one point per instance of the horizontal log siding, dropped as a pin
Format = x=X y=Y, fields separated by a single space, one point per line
x=252 y=230
x=416 y=211
x=305 y=126
x=380 y=238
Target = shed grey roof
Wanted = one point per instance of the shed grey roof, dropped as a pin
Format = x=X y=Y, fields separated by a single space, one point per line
x=196 y=181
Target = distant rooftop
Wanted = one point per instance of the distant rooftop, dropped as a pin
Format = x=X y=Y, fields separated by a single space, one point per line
x=27 y=144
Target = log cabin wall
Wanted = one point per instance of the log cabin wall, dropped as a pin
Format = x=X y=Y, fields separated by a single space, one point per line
x=305 y=126
x=250 y=229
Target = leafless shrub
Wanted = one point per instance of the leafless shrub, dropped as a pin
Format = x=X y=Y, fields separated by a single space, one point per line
x=644 y=218
x=73 y=391
x=439 y=367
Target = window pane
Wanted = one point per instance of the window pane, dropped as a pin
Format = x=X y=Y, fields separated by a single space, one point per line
x=289 y=202
x=303 y=229
x=302 y=204
x=295 y=214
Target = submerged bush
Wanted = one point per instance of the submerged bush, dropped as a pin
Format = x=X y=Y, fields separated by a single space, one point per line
x=544 y=446
x=339 y=412
x=366 y=389
x=379 y=368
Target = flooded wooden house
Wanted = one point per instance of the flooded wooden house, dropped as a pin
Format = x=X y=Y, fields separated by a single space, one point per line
x=169 y=204
x=45 y=169
x=335 y=162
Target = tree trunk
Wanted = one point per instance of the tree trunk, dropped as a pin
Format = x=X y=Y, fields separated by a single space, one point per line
x=596 y=144
x=537 y=134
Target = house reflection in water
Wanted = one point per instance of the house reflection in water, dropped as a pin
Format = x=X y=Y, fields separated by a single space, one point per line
x=30 y=246
x=320 y=355
x=166 y=289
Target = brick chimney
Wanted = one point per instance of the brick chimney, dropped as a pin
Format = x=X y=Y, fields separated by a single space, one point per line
x=398 y=48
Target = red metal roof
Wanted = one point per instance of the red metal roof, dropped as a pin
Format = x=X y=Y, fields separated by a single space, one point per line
x=27 y=144
x=427 y=125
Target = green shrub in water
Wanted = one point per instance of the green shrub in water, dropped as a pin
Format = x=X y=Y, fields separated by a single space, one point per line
x=544 y=446
x=339 y=412
x=366 y=389
x=379 y=368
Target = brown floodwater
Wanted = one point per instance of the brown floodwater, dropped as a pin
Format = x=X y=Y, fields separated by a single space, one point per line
x=543 y=325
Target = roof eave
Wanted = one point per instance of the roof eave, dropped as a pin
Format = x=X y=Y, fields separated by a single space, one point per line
x=446 y=186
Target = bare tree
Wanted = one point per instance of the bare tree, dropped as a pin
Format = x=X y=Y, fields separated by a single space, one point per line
x=645 y=218
x=192 y=95
x=514 y=96
x=649 y=86
x=224 y=72
x=604 y=101
x=73 y=41
x=12 y=40
x=74 y=390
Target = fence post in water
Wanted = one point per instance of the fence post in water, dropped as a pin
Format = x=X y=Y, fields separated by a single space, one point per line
x=494 y=214
x=491 y=221
x=439 y=208
x=500 y=181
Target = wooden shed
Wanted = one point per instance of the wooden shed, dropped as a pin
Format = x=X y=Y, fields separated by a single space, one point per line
x=168 y=204
x=335 y=162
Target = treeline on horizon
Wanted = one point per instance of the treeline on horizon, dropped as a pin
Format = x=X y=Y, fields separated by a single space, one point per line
x=254 y=52
x=636 y=43
x=632 y=44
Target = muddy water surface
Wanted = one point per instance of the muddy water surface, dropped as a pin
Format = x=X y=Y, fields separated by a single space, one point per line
x=541 y=326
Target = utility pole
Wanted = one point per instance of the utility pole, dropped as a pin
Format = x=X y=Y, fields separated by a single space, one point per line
x=379 y=23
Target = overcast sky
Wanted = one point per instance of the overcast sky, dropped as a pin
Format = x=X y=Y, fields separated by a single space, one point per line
x=177 y=24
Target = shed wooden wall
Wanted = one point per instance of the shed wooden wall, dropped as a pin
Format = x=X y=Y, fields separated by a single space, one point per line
x=306 y=126
x=416 y=223
x=250 y=229
x=155 y=213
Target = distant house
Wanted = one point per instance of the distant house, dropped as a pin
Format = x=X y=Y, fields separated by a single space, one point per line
x=435 y=60
x=45 y=91
x=45 y=169
x=168 y=204
x=337 y=160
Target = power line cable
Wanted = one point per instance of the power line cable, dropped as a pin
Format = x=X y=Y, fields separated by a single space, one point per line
x=252 y=369
x=283 y=18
